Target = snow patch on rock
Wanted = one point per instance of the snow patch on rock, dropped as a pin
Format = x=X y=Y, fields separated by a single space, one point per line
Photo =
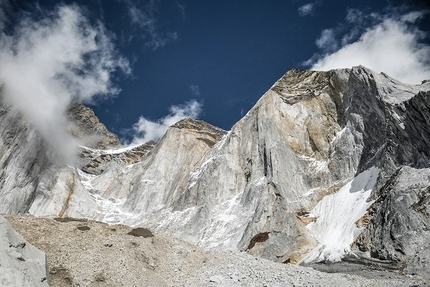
x=335 y=228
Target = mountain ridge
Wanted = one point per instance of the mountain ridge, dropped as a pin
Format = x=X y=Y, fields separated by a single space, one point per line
x=313 y=139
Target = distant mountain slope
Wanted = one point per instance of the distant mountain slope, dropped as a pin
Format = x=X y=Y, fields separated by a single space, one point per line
x=85 y=124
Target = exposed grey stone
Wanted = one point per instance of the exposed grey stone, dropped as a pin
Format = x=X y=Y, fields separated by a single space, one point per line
x=84 y=124
x=399 y=228
x=21 y=264
x=24 y=157
x=216 y=279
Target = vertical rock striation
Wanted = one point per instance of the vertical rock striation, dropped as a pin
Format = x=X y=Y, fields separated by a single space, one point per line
x=24 y=157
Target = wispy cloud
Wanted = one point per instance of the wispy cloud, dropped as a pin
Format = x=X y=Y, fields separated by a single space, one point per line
x=307 y=9
x=389 y=43
x=355 y=16
x=182 y=10
x=47 y=63
x=146 y=130
x=4 y=6
x=195 y=90
x=145 y=18
x=327 y=41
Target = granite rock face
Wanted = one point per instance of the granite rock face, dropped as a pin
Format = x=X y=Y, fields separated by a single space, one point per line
x=399 y=226
x=96 y=161
x=24 y=157
x=22 y=264
x=309 y=174
x=84 y=124
x=27 y=162
x=127 y=192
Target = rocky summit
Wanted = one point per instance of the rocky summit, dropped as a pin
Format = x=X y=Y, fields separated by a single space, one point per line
x=328 y=169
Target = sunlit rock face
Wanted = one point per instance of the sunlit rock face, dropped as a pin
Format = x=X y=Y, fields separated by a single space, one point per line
x=301 y=178
x=85 y=125
x=24 y=157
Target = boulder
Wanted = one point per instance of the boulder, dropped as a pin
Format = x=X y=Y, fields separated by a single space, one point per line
x=21 y=264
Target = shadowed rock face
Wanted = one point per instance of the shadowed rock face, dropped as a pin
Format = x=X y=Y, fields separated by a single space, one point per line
x=399 y=226
x=312 y=155
x=96 y=161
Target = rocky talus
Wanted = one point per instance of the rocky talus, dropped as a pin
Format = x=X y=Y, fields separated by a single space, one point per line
x=88 y=253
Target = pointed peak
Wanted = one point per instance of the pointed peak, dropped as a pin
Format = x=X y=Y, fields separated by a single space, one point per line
x=84 y=124
x=197 y=125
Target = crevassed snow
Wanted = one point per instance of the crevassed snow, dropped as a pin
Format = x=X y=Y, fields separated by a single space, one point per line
x=335 y=228
x=391 y=90
x=84 y=176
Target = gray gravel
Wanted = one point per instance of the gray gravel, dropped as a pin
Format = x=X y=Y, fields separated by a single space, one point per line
x=88 y=253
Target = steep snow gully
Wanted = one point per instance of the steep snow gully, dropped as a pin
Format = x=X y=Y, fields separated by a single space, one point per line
x=310 y=174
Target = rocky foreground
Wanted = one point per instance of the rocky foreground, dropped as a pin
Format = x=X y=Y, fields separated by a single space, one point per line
x=88 y=253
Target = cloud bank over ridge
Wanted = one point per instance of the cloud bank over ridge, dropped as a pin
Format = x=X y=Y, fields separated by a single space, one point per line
x=146 y=130
x=391 y=44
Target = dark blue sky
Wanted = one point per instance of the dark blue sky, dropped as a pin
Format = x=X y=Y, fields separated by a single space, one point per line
x=224 y=54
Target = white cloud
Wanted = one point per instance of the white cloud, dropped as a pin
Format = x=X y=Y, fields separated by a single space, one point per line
x=391 y=45
x=146 y=130
x=45 y=64
x=145 y=18
x=195 y=90
x=306 y=9
x=327 y=41
x=355 y=16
